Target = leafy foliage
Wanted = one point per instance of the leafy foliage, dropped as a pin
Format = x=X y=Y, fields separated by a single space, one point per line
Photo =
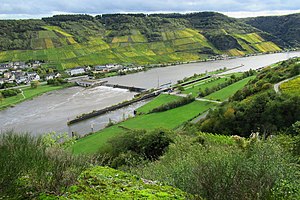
x=225 y=170
x=56 y=81
x=223 y=41
x=10 y=92
x=28 y=167
x=256 y=108
x=284 y=28
x=137 y=144
x=17 y=34
x=266 y=112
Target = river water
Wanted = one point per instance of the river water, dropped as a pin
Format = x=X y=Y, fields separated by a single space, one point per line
x=159 y=76
x=51 y=111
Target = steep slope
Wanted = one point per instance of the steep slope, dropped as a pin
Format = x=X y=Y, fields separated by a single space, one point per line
x=285 y=28
x=67 y=41
x=257 y=107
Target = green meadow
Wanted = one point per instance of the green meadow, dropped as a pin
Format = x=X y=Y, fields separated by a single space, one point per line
x=225 y=93
x=156 y=102
x=170 y=119
x=29 y=93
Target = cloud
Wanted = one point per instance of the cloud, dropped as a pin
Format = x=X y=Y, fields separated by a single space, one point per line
x=38 y=8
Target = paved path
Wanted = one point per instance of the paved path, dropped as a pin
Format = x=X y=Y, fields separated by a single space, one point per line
x=277 y=85
x=197 y=119
x=22 y=93
x=197 y=99
x=213 y=101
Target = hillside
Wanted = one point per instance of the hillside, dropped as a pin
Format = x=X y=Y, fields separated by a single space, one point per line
x=67 y=41
x=285 y=28
x=259 y=107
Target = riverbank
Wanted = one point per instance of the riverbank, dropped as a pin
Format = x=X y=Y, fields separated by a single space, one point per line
x=52 y=111
x=110 y=108
x=28 y=93
x=172 y=118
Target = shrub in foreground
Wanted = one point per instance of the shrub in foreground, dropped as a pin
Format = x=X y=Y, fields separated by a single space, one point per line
x=28 y=167
x=137 y=145
x=255 y=171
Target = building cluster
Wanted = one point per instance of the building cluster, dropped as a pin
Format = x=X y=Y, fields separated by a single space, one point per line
x=102 y=69
x=107 y=68
x=19 y=77
x=14 y=72
x=17 y=72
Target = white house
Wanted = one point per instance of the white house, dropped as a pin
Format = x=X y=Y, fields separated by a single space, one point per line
x=75 y=71
x=101 y=68
x=21 y=79
x=52 y=76
x=33 y=76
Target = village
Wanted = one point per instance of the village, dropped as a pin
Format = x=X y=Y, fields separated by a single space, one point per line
x=17 y=73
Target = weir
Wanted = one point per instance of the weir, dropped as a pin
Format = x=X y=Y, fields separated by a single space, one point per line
x=130 y=88
x=111 y=108
x=90 y=83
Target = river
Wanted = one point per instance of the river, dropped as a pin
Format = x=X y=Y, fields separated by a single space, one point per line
x=51 y=111
x=159 y=76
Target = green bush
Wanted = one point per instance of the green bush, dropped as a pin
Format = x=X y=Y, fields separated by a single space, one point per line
x=222 y=171
x=56 y=81
x=133 y=146
x=28 y=167
x=10 y=92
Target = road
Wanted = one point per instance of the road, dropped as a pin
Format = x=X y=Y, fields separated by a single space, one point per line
x=197 y=99
x=277 y=85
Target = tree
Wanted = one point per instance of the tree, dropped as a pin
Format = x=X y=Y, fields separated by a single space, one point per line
x=1 y=97
x=34 y=84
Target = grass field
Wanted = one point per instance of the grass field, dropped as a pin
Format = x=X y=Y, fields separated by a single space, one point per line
x=291 y=87
x=156 y=102
x=194 y=88
x=170 y=119
x=225 y=93
x=28 y=93
x=201 y=85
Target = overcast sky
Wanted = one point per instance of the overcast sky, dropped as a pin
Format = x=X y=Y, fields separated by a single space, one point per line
x=16 y=9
